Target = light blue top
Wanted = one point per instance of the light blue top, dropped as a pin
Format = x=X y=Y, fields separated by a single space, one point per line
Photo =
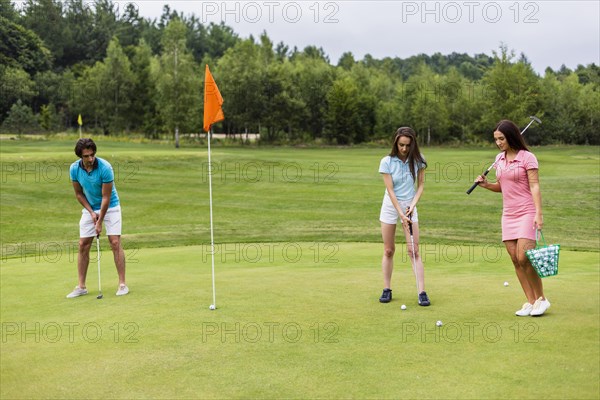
x=404 y=184
x=92 y=181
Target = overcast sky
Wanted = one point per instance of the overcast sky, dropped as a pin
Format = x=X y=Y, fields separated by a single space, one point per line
x=550 y=33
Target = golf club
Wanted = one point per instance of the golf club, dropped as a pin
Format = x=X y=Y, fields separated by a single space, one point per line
x=412 y=243
x=99 y=279
x=533 y=119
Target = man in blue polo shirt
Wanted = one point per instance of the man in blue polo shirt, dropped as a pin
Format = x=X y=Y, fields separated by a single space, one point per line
x=93 y=181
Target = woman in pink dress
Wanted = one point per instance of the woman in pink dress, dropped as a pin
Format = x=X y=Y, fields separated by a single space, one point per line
x=517 y=180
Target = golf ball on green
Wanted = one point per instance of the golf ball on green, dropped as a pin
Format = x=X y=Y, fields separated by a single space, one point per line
x=439 y=323
x=403 y=307
x=212 y=307
x=505 y=283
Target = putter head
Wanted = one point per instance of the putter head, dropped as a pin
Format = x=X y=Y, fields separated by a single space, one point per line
x=99 y=296
x=536 y=119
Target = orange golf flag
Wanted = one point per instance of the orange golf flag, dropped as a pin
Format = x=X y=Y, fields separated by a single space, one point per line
x=212 y=101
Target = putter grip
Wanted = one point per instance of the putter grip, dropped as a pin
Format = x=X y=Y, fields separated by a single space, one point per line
x=476 y=183
x=410 y=228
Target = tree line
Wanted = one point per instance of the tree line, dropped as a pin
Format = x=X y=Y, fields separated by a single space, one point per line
x=129 y=75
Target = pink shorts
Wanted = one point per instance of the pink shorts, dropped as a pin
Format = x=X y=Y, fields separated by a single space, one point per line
x=518 y=227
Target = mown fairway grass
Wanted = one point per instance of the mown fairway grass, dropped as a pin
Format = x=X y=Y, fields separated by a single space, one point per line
x=284 y=194
x=298 y=279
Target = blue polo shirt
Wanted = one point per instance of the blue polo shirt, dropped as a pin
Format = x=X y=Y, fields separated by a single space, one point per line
x=404 y=184
x=92 y=181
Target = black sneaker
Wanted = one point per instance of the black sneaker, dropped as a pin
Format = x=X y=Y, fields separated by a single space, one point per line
x=423 y=299
x=386 y=296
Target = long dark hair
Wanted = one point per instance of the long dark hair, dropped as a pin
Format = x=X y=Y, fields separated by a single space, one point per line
x=414 y=154
x=83 y=144
x=512 y=133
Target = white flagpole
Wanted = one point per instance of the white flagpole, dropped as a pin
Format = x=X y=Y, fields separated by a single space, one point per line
x=212 y=239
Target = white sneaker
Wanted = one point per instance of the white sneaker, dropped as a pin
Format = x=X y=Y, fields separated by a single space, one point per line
x=539 y=307
x=525 y=310
x=123 y=290
x=77 y=292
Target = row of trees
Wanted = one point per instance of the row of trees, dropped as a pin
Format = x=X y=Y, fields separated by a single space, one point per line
x=126 y=74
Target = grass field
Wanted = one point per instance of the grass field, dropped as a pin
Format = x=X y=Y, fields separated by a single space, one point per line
x=298 y=278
